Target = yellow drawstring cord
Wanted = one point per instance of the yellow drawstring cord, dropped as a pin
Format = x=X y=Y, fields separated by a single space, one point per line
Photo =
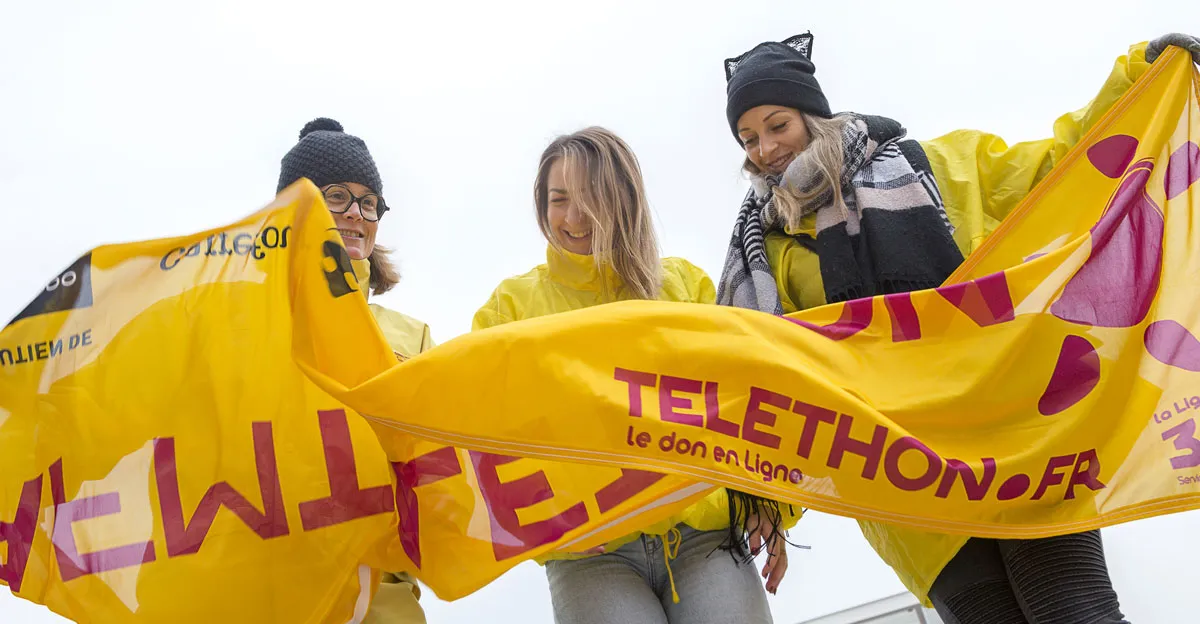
x=670 y=551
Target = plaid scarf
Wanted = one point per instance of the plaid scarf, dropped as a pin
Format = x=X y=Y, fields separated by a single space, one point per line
x=893 y=235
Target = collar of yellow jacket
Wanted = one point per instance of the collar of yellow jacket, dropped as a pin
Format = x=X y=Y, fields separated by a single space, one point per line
x=808 y=226
x=362 y=271
x=580 y=272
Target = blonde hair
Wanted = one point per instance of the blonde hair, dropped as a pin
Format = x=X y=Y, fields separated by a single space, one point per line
x=605 y=181
x=384 y=275
x=824 y=152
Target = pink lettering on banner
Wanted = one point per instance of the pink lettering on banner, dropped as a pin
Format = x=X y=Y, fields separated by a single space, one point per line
x=636 y=380
x=625 y=487
x=856 y=316
x=509 y=537
x=987 y=303
x=891 y=465
x=72 y=564
x=985 y=300
x=186 y=537
x=346 y=501
x=1184 y=438
x=18 y=534
x=975 y=487
x=670 y=402
x=712 y=408
x=813 y=417
x=424 y=470
x=755 y=416
x=905 y=323
x=1052 y=476
x=871 y=452
x=1086 y=473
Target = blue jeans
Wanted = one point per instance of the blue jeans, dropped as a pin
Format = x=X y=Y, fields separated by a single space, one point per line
x=632 y=586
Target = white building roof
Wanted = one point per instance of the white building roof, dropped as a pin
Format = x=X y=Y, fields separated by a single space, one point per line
x=899 y=609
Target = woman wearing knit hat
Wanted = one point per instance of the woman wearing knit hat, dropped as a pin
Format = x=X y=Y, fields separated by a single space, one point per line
x=843 y=206
x=340 y=165
x=591 y=206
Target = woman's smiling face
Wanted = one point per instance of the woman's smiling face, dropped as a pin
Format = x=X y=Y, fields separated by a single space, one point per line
x=773 y=136
x=358 y=234
x=571 y=227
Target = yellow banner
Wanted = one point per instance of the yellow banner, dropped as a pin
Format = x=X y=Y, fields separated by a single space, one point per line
x=164 y=458
x=160 y=452
x=1049 y=387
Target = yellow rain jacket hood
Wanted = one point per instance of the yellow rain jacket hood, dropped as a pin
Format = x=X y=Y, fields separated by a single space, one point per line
x=981 y=179
x=570 y=281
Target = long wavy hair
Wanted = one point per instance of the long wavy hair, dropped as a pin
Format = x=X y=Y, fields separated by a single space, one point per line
x=605 y=181
x=384 y=274
x=824 y=152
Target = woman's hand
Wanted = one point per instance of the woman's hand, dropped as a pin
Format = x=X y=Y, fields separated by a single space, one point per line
x=764 y=532
x=1187 y=42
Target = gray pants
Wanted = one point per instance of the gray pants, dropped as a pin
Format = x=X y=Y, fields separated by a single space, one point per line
x=631 y=585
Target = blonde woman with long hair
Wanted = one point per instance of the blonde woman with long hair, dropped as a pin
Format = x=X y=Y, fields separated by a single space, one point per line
x=591 y=206
x=843 y=207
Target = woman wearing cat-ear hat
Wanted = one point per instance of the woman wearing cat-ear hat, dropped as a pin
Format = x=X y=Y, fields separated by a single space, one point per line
x=842 y=207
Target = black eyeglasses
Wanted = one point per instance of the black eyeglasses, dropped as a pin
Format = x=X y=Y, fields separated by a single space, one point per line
x=339 y=199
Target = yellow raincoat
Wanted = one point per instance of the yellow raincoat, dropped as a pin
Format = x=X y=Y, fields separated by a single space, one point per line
x=570 y=282
x=981 y=180
x=396 y=600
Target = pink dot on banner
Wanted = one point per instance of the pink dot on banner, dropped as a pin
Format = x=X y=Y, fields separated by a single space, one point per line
x=1075 y=375
x=1173 y=345
x=1013 y=487
x=1118 y=282
x=1183 y=169
x=1113 y=154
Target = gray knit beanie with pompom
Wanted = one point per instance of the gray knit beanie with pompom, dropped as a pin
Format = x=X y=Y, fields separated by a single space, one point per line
x=327 y=155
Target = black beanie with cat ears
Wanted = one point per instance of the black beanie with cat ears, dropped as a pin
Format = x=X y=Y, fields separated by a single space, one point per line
x=780 y=74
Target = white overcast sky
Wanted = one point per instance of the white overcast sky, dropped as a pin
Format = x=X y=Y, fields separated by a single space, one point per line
x=134 y=120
